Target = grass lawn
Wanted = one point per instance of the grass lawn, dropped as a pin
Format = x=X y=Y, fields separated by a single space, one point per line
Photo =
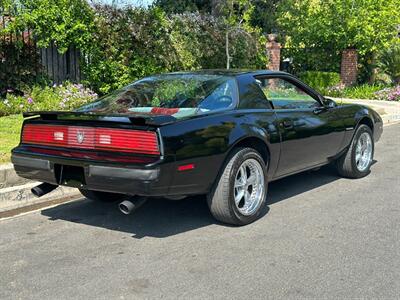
x=10 y=128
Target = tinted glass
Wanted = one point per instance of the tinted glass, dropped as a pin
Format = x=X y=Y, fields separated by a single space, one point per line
x=285 y=95
x=251 y=96
x=175 y=94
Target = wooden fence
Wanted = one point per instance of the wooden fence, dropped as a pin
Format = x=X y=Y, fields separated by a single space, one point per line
x=61 y=67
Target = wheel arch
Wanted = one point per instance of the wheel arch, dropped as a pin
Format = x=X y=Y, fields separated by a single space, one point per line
x=366 y=120
x=257 y=144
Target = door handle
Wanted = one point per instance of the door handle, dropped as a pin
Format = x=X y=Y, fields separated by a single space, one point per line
x=287 y=124
x=319 y=110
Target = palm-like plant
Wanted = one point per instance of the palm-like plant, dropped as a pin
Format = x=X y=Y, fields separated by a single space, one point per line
x=389 y=62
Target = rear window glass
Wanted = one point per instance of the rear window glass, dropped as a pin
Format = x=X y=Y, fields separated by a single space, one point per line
x=173 y=94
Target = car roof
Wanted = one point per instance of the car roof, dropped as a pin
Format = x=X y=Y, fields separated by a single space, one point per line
x=230 y=72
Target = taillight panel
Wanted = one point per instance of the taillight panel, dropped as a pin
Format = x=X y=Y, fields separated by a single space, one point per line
x=92 y=138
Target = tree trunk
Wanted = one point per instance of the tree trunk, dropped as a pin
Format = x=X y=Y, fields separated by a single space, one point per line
x=374 y=69
x=228 y=57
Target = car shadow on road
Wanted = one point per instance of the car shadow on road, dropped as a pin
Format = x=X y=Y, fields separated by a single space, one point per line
x=291 y=186
x=161 y=218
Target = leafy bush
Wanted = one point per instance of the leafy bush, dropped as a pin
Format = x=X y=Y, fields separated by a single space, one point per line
x=389 y=62
x=364 y=91
x=320 y=80
x=133 y=42
x=62 y=22
x=62 y=97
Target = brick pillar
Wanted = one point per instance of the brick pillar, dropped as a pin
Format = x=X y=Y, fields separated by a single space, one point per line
x=348 y=68
x=274 y=53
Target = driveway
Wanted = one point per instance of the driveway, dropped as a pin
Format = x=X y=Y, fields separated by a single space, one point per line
x=322 y=237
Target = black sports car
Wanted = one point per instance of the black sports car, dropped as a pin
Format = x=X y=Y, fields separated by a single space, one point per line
x=224 y=134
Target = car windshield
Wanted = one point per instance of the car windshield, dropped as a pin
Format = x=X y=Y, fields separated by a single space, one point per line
x=179 y=95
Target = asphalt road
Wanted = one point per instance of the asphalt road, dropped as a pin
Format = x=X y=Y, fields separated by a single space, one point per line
x=322 y=237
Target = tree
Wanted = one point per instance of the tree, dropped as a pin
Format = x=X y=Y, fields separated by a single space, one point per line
x=334 y=25
x=64 y=22
x=236 y=13
x=367 y=25
x=264 y=15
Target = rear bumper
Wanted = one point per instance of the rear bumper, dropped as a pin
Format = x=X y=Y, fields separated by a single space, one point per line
x=119 y=179
x=159 y=179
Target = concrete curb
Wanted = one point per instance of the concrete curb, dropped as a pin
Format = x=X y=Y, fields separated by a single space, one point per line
x=8 y=177
x=20 y=196
x=15 y=191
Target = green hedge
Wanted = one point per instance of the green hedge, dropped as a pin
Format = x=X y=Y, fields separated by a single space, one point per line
x=320 y=80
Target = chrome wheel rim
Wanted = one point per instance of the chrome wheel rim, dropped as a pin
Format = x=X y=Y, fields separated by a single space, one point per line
x=249 y=187
x=363 y=151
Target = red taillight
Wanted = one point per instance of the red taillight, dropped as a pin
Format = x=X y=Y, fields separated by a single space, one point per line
x=107 y=139
x=186 y=167
x=45 y=135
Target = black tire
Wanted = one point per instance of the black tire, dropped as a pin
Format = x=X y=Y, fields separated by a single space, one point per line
x=103 y=196
x=221 y=198
x=346 y=164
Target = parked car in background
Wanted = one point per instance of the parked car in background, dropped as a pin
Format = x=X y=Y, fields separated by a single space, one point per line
x=224 y=134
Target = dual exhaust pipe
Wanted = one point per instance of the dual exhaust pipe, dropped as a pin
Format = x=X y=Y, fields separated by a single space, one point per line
x=126 y=206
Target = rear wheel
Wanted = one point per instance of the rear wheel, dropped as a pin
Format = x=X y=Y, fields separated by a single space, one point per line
x=239 y=195
x=102 y=196
x=356 y=162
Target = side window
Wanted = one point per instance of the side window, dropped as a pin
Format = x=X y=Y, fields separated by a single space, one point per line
x=286 y=95
x=251 y=95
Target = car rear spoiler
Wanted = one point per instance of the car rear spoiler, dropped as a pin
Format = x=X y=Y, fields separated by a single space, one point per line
x=136 y=119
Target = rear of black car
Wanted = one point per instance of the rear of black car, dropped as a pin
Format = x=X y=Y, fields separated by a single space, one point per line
x=112 y=156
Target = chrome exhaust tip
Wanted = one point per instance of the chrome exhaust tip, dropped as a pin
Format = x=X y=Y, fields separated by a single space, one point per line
x=129 y=206
x=43 y=189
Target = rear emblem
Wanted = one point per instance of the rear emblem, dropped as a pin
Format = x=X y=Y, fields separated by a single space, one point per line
x=80 y=136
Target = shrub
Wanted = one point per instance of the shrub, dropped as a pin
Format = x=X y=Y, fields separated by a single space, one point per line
x=58 y=97
x=364 y=91
x=320 y=80
x=133 y=42
x=389 y=62
x=389 y=94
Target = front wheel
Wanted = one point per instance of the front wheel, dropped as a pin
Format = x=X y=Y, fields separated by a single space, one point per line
x=102 y=196
x=356 y=162
x=239 y=195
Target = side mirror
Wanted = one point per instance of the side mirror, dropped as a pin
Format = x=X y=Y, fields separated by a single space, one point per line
x=329 y=103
